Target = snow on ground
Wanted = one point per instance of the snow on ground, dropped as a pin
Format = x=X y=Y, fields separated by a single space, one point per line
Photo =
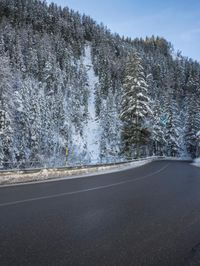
x=86 y=144
x=78 y=148
x=196 y=162
x=91 y=130
x=184 y=158
x=7 y=178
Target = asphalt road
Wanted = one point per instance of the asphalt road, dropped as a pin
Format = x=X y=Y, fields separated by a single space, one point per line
x=144 y=216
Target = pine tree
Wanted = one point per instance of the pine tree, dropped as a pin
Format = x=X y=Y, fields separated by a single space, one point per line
x=135 y=105
x=6 y=111
x=44 y=88
x=171 y=133
x=157 y=130
x=192 y=125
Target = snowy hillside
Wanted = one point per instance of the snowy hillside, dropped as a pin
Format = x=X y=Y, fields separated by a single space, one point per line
x=87 y=145
x=92 y=128
x=66 y=81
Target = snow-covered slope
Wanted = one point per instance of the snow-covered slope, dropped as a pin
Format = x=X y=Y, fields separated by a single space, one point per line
x=92 y=130
x=54 y=109
x=86 y=144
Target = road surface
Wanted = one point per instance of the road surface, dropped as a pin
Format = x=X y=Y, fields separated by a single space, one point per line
x=144 y=216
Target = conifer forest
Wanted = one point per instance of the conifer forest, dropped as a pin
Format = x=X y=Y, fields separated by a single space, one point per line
x=71 y=91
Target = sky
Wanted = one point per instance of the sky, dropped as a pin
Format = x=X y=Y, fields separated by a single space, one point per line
x=178 y=21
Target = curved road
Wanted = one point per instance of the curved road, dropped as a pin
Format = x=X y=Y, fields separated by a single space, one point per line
x=144 y=216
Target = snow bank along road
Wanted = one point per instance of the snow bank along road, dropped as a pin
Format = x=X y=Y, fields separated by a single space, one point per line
x=143 y=216
x=8 y=177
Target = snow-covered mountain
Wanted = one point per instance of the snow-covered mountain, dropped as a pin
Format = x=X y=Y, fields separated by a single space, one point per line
x=62 y=81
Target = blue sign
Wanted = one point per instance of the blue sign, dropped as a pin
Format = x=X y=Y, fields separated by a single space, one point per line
x=164 y=119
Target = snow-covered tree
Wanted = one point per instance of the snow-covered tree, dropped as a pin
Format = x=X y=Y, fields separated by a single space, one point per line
x=6 y=112
x=192 y=125
x=135 y=107
x=46 y=83
x=158 y=129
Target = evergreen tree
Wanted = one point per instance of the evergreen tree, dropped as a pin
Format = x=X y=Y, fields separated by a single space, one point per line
x=157 y=130
x=192 y=125
x=6 y=112
x=135 y=105
x=46 y=85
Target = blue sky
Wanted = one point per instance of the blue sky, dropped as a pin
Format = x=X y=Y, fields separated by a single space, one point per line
x=176 y=20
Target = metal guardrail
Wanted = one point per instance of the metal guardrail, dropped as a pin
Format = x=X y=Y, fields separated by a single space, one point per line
x=75 y=166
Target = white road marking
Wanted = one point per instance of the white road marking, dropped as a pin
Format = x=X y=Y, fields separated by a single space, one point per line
x=81 y=191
